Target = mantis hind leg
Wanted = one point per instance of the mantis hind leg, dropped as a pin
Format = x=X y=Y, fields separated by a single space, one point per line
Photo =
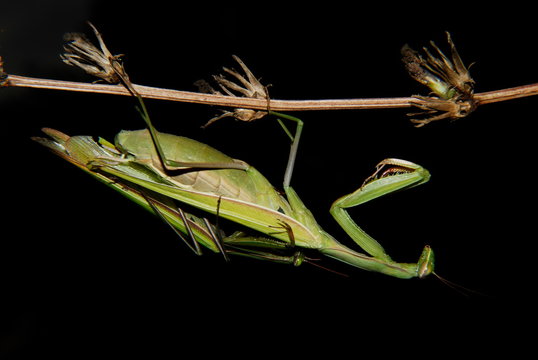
x=216 y=237
x=194 y=246
x=209 y=233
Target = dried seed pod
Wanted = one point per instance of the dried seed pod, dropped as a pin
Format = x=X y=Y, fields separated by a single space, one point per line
x=249 y=87
x=448 y=79
x=440 y=109
x=80 y=52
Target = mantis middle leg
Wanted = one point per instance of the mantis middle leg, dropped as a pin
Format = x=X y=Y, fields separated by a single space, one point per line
x=294 y=143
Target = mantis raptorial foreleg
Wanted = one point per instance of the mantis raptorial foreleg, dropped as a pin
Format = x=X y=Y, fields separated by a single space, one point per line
x=410 y=175
x=382 y=182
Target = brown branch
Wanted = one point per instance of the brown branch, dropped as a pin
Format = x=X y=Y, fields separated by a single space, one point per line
x=260 y=104
x=506 y=94
x=213 y=99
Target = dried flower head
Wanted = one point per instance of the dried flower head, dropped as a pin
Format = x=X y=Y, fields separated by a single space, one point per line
x=452 y=72
x=80 y=52
x=249 y=87
x=439 y=109
x=448 y=79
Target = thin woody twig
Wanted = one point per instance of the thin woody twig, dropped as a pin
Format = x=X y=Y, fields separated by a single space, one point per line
x=506 y=94
x=214 y=99
x=260 y=104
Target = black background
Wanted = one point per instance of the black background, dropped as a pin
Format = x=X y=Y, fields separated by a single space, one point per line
x=85 y=272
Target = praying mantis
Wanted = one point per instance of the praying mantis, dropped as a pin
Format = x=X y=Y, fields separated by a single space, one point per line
x=79 y=149
x=156 y=170
x=213 y=182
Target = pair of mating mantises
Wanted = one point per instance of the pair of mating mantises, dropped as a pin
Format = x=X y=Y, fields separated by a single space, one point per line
x=158 y=171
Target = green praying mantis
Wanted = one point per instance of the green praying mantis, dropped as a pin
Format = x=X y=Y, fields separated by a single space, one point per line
x=158 y=171
x=206 y=179
x=79 y=149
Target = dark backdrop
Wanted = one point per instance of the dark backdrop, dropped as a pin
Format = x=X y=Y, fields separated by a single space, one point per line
x=83 y=270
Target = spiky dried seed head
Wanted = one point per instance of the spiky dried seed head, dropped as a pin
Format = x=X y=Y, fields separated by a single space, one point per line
x=448 y=79
x=245 y=86
x=98 y=62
